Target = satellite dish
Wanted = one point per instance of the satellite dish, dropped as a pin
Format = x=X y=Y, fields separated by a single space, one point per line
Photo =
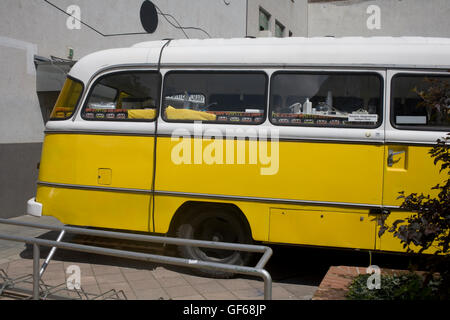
x=149 y=16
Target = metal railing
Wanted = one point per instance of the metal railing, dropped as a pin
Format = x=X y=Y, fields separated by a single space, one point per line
x=257 y=271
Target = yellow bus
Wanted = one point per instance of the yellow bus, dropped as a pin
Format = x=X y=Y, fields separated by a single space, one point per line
x=293 y=141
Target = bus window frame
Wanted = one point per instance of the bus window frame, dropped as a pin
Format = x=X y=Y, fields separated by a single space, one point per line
x=218 y=71
x=111 y=73
x=380 y=112
x=412 y=73
x=76 y=104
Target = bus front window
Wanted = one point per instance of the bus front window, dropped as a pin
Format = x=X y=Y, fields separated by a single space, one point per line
x=67 y=100
x=123 y=96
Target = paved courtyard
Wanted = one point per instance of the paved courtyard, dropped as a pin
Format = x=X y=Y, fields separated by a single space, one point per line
x=143 y=280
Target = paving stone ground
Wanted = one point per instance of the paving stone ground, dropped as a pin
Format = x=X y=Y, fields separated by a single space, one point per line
x=138 y=280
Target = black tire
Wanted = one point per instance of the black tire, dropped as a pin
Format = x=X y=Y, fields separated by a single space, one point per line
x=214 y=225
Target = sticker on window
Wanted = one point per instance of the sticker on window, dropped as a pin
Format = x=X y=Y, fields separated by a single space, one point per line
x=411 y=120
x=363 y=117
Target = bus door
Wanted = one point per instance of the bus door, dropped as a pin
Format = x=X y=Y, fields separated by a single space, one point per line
x=331 y=155
x=415 y=121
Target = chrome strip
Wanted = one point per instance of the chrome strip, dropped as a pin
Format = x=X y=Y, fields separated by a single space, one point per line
x=281 y=139
x=95 y=188
x=261 y=66
x=270 y=200
x=293 y=139
x=100 y=133
x=219 y=197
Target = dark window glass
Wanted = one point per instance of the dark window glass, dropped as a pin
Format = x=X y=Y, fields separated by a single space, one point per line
x=279 y=30
x=264 y=19
x=421 y=102
x=220 y=97
x=326 y=100
x=127 y=96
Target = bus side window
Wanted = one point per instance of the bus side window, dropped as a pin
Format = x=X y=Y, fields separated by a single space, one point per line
x=216 y=97
x=349 y=100
x=124 y=96
x=421 y=102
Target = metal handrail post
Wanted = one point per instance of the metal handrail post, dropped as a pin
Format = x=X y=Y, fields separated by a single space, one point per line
x=36 y=276
x=267 y=284
x=51 y=254
x=265 y=258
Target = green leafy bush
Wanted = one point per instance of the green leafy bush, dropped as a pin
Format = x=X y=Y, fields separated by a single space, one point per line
x=407 y=286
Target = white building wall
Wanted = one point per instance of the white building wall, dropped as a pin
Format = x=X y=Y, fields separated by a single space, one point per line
x=428 y=18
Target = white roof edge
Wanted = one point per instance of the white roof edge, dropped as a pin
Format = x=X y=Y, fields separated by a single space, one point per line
x=300 y=40
x=346 y=51
x=87 y=66
x=327 y=51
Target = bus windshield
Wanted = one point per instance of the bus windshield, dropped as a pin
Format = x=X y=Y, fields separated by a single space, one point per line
x=67 y=100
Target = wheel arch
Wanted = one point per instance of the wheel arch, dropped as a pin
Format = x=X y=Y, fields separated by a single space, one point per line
x=188 y=208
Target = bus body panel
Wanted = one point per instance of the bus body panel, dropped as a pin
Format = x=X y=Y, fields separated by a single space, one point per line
x=338 y=227
x=312 y=226
x=308 y=171
x=92 y=208
x=413 y=171
x=77 y=158
x=88 y=169
x=256 y=213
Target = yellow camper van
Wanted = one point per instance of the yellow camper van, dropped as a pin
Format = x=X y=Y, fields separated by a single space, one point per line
x=294 y=141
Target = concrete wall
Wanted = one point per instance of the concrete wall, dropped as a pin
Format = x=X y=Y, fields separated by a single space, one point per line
x=18 y=175
x=21 y=128
x=428 y=18
x=291 y=14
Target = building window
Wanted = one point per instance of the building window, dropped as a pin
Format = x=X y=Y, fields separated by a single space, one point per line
x=264 y=19
x=279 y=30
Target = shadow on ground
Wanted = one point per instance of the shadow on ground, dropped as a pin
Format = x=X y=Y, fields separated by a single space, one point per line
x=289 y=264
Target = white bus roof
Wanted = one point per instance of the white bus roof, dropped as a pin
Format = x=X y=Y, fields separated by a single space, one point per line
x=401 y=52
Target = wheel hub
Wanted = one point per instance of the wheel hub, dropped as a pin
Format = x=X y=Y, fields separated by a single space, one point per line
x=217 y=237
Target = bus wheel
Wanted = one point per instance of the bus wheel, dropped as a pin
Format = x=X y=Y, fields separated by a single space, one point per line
x=214 y=225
